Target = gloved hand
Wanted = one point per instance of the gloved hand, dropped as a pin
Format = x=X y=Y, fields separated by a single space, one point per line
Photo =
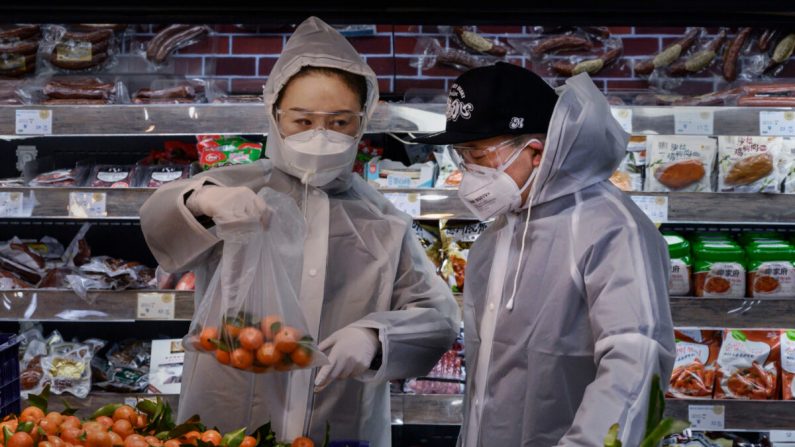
x=227 y=204
x=351 y=350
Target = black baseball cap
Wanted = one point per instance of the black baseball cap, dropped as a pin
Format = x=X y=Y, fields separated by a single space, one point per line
x=499 y=99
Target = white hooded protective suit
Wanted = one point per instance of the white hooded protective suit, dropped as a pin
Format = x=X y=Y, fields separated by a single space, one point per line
x=363 y=266
x=590 y=323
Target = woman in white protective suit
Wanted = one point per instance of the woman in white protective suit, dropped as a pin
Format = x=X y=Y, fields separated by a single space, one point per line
x=367 y=290
x=566 y=313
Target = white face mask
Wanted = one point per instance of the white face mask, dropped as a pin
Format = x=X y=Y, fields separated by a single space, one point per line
x=490 y=192
x=319 y=156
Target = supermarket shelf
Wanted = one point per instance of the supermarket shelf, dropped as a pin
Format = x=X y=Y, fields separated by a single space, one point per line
x=66 y=305
x=96 y=400
x=741 y=414
x=728 y=312
x=427 y=409
x=54 y=203
x=429 y=204
x=193 y=119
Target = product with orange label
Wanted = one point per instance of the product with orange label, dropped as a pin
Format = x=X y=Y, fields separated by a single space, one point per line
x=748 y=365
x=629 y=175
x=249 y=317
x=679 y=283
x=771 y=269
x=788 y=364
x=457 y=238
x=680 y=163
x=719 y=269
x=216 y=151
x=693 y=376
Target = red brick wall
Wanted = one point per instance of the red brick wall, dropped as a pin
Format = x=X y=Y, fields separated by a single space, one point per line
x=241 y=60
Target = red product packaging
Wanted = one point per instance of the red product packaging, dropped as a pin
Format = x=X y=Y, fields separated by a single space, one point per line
x=748 y=365
x=159 y=175
x=695 y=367
x=788 y=364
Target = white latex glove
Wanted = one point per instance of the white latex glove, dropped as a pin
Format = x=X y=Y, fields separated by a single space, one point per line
x=351 y=350
x=227 y=204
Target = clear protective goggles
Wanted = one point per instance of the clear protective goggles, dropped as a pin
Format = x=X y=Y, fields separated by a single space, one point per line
x=493 y=156
x=293 y=121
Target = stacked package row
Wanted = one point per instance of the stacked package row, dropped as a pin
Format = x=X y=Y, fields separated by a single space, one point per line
x=734 y=364
x=718 y=265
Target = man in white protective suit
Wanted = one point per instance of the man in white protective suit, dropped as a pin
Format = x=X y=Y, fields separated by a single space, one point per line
x=566 y=314
x=368 y=292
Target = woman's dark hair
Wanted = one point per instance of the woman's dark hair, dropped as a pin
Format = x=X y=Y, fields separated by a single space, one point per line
x=356 y=83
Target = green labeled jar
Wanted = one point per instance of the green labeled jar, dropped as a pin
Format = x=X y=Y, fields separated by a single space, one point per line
x=680 y=283
x=771 y=269
x=750 y=237
x=720 y=270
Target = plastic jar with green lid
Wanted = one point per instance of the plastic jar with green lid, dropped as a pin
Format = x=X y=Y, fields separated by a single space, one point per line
x=720 y=270
x=750 y=237
x=771 y=269
x=680 y=281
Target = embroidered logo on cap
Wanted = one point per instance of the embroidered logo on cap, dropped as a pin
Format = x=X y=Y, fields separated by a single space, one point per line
x=456 y=107
x=516 y=123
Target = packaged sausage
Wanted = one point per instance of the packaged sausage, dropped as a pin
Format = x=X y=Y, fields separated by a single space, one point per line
x=748 y=365
x=170 y=39
x=771 y=269
x=457 y=238
x=750 y=164
x=79 y=49
x=158 y=175
x=19 y=45
x=788 y=364
x=112 y=176
x=679 y=283
x=719 y=269
x=680 y=163
x=694 y=371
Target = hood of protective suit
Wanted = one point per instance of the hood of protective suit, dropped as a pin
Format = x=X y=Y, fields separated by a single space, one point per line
x=584 y=146
x=314 y=43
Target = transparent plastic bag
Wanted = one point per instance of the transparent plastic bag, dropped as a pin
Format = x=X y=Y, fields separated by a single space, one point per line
x=249 y=317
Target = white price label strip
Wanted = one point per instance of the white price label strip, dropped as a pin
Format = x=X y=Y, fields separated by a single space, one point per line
x=782 y=436
x=409 y=203
x=777 y=123
x=11 y=204
x=83 y=205
x=34 y=122
x=624 y=118
x=706 y=417
x=693 y=121
x=156 y=306
x=656 y=207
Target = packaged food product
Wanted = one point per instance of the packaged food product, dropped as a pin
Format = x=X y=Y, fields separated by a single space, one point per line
x=749 y=164
x=771 y=269
x=457 y=238
x=186 y=282
x=747 y=238
x=788 y=160
x=171 y=38
x=693 y=376
x=71 y=48
x=366 y=153
x=174 y=152
x=431 y=241
x=450 y=175
x=719 y=269
x=216 y=151
x=748 y=365
x=112 y=176
x=60 y=178
x=788 y=364
x=629 y=175
x=158 y=175
x=679 y=163
x=67 y=368
x=249 y=317
x=679 y=284
x=383 y=173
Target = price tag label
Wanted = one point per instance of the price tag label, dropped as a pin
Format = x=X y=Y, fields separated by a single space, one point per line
x=706 y=417
x=398 y=181
x=408 y=203
x=693 y=122
x=777 y=123
x=11 y=204
x=156 y=306
x=83 y=205
x=624 y=118
x=656 y=207
x=782 y=436
x=34 y=122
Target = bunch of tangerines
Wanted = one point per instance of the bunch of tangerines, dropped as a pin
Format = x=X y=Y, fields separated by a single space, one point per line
x=259 y=346
x=123 y=426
